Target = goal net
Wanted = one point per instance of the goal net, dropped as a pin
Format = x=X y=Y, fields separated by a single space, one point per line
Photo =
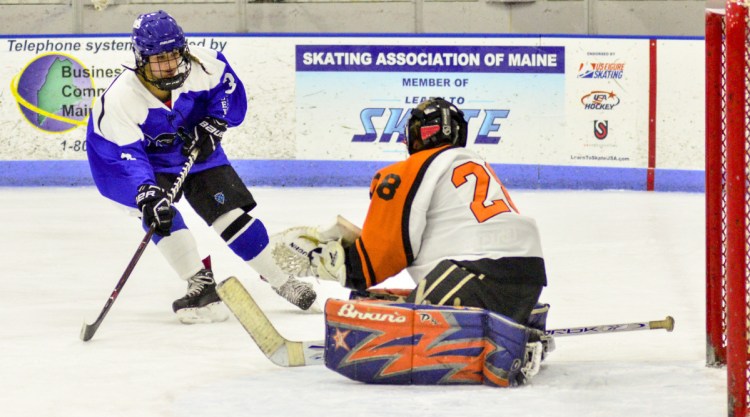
x=727 y=198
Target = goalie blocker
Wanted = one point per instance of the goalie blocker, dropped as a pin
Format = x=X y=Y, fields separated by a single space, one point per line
x=404 y=343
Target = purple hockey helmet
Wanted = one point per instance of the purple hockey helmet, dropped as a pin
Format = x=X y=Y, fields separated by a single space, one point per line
x=156 y=33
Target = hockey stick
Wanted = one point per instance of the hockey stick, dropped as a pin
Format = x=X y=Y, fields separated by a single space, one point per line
x=666 y=324
x=351 y=232
x=285 y=352
x=277 y=348
x=88 y=330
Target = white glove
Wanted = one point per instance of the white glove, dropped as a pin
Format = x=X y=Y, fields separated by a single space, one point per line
x=292 y=250
x=342 y=229
x=329 y=262
x=299 y=251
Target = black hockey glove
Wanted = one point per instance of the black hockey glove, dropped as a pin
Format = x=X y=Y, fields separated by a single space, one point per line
x=153 y=202
x=205 y=137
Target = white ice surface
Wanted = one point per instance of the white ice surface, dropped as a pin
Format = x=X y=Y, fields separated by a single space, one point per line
x=612 y=257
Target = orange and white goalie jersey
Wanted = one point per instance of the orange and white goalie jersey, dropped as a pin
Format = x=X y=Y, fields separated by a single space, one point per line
x=441 y=203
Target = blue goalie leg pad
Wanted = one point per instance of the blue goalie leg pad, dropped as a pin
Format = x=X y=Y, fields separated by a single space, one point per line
x=502 y=366
x=538 y=317
x=404 y=343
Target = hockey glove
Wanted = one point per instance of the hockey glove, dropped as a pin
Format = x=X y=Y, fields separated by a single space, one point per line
x=205 y=137
x=293 y=249
x=154 y=204
x=328 y=262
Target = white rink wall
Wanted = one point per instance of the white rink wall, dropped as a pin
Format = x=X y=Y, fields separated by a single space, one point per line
x=328 y=109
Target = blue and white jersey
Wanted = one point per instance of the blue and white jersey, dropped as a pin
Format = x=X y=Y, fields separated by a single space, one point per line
x=131 y=134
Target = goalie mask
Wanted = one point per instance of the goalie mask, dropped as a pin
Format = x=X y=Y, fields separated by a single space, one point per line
x=159 y=41
x=435 y=122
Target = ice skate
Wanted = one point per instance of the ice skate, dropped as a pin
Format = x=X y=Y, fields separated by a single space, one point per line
x=201 y=303
x=298 y=293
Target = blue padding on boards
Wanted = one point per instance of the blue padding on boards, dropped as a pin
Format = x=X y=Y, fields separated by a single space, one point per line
x=679 y=180
x=309 y=173
x=45 y=173
x=591 y=178
x=552 y=177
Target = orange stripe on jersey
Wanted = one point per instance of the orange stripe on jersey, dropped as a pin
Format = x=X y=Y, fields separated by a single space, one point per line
x=505 y=191
x=384 y=248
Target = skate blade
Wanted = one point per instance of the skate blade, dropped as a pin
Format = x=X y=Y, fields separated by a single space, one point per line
x=211 y=313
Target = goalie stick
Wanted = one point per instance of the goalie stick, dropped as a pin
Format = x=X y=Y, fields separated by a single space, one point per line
x=88 y=330
x=666 y=324
x=285 y=352
x=277 y=348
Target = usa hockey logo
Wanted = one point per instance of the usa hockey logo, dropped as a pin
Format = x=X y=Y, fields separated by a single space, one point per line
x=601 y=70
x=600 y=100
x=219 y=197
x=601 y=129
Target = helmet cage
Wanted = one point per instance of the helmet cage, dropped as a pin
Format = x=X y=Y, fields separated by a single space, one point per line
x=157 y=33
x=435 y=122
x=173 y=82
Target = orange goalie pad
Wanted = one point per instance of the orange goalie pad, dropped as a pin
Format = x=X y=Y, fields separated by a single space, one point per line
x=404 y=343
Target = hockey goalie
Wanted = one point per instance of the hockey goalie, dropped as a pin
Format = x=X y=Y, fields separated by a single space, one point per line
x=444 y=217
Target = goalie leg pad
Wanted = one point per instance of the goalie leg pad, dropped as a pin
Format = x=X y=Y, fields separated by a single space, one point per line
x=506 y=363
x=404 y=343
x=538 y=317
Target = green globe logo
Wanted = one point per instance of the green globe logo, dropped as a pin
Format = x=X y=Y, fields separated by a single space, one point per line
x=54 y=92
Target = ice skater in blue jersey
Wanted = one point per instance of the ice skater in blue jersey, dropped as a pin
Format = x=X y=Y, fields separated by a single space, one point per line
x=135 y=156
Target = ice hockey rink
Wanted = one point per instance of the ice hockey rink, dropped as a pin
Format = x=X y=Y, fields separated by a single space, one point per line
x=612 y=257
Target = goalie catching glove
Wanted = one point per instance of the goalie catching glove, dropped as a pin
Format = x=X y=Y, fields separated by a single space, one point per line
x=308 y=251
x=292 y=250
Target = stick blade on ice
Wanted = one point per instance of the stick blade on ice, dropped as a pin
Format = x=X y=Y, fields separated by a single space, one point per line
x=277 y=348
x=87 y=331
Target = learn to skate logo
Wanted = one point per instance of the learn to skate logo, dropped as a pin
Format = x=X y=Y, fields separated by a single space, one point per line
x=489 y=121
x=54 y=92
x=601 y=129
x=600 y=100
x=600 y=70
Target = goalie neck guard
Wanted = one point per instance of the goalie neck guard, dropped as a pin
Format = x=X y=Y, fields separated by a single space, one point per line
x=435 y=122
x=158 y=33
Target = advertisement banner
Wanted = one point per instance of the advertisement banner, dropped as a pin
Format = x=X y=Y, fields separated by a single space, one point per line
x=541 y=107
x=495 y=86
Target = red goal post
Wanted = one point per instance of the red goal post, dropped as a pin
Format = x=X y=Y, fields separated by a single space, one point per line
x=727 y=198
